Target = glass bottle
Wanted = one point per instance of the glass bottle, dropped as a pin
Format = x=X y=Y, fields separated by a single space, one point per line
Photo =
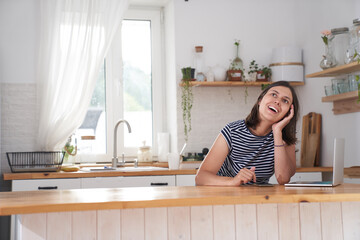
x=199 y=64
x=237 y=63
x=340 y=44
x=354 y=38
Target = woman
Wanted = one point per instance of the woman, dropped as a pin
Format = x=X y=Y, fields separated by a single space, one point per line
x=251 y=150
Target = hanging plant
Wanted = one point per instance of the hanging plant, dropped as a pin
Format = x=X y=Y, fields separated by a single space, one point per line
x=187 y=100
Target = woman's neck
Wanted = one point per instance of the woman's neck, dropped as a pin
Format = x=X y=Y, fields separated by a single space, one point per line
x=262 y=129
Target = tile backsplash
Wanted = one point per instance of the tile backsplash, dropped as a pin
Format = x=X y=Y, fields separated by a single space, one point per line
x=19 y=121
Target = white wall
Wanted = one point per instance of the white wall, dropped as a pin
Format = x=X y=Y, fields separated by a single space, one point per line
x=260 y=25
x=18 y=43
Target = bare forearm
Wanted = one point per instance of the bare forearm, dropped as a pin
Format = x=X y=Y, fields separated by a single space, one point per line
x=205 y=178
x=285 y=163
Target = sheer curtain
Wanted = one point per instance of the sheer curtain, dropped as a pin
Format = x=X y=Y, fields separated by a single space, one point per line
x=74 y=38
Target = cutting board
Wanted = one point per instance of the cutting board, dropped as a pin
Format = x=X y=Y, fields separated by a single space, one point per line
x=310 y=140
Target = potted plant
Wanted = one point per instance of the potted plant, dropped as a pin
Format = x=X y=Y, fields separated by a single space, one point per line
x=187 y=99
x=263 y=74
x=253 y=70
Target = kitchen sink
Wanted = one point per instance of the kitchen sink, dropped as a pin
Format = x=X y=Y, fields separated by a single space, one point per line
x=122 y=169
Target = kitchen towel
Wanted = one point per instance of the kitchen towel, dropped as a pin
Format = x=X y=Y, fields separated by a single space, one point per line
x=163 y=146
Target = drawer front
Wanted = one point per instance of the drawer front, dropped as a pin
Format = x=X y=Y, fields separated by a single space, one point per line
x=115 y=182
x=185 y=180
x=45 y=184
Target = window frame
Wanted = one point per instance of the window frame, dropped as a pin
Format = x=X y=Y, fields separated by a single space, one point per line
x=114 y=87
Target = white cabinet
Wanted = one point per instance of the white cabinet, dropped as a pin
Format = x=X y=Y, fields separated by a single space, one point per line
x=45 y=184
x=185 y=180
x=300 y=176
x=138 y=181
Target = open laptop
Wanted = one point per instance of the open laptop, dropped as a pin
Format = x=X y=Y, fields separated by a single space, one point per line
x=338 y=169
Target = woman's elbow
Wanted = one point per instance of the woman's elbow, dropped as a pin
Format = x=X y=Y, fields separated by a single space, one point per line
x=283 y=179
x=198 y=180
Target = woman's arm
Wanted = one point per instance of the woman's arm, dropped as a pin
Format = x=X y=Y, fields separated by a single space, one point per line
x=285 y=161
x=206 y=174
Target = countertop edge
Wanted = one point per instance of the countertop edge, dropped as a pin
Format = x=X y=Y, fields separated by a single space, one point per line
x=127 y=198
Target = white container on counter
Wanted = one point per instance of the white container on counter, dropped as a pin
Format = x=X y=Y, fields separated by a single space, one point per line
x=144 y=153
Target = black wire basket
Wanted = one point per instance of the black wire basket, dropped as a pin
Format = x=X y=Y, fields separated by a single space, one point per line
x=35 y=161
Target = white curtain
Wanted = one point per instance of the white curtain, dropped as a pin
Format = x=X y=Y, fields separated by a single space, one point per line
x=75 y=36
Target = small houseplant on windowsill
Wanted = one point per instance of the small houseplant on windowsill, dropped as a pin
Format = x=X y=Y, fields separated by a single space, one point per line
x=263 y=74
x=186 y=100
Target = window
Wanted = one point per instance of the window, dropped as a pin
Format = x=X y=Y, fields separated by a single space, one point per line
x=129 y=87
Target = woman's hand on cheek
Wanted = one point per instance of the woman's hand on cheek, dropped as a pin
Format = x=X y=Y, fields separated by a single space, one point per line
x=282 y=123
x=245 y=175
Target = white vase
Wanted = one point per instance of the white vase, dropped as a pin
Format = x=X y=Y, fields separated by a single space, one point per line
x=219 y=73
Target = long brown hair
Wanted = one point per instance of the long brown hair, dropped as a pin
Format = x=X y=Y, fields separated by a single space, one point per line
x=289 y=131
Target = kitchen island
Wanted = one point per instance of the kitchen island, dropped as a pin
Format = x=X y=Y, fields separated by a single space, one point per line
x=247 y=212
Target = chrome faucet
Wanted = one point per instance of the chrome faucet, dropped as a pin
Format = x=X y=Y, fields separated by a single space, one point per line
x=115 y=158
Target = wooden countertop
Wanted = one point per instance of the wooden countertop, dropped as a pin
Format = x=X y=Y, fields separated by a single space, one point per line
x=81 y=174
x=148 y=197
x=349 y=172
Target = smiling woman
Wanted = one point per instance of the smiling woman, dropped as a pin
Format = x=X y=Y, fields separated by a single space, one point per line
x=250 y=151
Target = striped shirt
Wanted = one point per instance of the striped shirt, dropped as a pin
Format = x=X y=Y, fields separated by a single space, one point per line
x=247 y=150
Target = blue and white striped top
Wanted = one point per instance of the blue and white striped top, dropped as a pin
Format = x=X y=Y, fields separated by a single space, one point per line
x=247 y=150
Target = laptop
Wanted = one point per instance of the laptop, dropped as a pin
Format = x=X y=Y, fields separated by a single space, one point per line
x=338 y=169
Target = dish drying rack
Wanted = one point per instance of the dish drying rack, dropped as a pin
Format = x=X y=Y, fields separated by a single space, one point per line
x=35 y=161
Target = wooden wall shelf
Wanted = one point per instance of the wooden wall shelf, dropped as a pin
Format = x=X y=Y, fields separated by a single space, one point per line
x=336 y=71
x=235 y=83
x=345 y=102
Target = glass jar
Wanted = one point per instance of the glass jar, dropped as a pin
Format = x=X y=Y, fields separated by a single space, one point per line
x=340 y=44
x=199 y=64
x=355 y=37
x=144 y=153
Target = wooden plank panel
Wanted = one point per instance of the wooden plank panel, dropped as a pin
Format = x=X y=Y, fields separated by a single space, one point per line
x=156 y=223
x=224 y=222
x=289 y=221
x=179 y=223
x=331 y=221
x=351 y=220
x=310 y=221
x=108 y=224
x=59 y=225
x=267 y=221
x=245 y=221
x=132 y=224
x=202 y=222
x=84 y=225
x=33 y=226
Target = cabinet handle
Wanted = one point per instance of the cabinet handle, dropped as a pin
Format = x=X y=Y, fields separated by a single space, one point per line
x=159 y=184
x=47 y=188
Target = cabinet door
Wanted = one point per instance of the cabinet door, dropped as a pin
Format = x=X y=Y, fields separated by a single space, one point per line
x=185 y=180
x=138 y=181
x=45 y=184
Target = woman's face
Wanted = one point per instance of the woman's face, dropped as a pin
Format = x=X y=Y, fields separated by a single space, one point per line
x=275 y=104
